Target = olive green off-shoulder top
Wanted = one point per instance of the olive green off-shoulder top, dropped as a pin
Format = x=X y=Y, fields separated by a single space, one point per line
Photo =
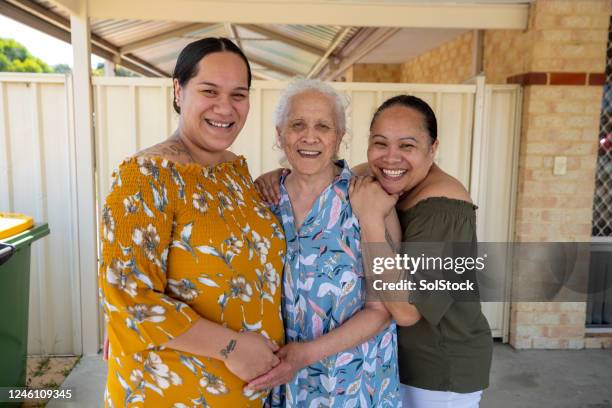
x=450 y=348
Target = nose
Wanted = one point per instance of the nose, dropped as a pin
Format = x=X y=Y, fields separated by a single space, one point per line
x=392 y=156
x=310 y=135
x=223 y=105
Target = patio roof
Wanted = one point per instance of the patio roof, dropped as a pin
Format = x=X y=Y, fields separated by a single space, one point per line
x=276 y=51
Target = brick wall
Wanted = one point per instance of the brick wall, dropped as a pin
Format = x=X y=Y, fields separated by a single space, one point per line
x=563 y=36
x=559 y=59
x=451 y=63
x=376 y=73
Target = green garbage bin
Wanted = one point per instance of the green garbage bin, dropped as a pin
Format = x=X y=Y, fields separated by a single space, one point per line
x=14 y=298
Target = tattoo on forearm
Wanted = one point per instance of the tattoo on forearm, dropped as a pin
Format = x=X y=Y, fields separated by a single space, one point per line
x=225 y=352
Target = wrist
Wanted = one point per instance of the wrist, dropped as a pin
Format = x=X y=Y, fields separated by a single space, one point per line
x=230 y=343
x=372 y=228
x=371 y=221
x=309 y=354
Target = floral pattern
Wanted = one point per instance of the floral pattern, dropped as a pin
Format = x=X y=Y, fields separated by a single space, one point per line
x=323 y=286
x=179 y=242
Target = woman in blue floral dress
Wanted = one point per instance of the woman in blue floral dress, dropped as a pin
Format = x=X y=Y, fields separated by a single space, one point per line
x=341 y=351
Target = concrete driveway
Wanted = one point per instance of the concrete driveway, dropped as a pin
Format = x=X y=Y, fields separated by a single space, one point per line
x=519 y=379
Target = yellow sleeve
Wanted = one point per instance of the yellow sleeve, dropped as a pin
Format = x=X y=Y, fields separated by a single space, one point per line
x=135 y=236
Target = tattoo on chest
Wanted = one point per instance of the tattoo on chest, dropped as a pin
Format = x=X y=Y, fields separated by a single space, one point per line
x=175 y=150
x=225 y=352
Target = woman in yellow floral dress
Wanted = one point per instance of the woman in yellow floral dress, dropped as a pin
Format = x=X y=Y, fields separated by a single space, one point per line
x=191 y=257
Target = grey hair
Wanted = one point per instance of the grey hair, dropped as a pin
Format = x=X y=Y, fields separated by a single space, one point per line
x=301 y=85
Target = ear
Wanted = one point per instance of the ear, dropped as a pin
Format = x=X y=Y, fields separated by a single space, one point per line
x=434 y=147
x=279 y=139
x=339 y=138
x=177 y=91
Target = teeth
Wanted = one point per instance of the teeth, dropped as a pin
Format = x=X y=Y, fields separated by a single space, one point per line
x=393 y=173
x=219 y=124
x=308 y=152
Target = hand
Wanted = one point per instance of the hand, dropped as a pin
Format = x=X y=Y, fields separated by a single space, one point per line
x=294 y=357
x=369 y=201
x=252 y=356
x=268 y=185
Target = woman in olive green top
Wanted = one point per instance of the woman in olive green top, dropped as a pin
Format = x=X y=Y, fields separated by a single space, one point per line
x=444 y=345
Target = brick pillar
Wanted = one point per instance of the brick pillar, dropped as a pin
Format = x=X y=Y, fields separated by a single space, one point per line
x=560 y=59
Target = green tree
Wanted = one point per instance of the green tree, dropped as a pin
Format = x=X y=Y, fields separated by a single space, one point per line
x=119 y=71
x=14 y=57
x=62 y=69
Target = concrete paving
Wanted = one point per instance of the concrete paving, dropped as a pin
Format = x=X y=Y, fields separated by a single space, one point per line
x=87 y=381
x=549 y=378
x=519 y=379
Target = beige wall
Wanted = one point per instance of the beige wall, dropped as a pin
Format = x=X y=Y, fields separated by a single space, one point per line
x=376 y=73
x=563 y=36
x=451 y=63
x=507 y=53
x=558 y=121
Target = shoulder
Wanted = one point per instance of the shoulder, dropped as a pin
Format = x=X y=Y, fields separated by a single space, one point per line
x=170 y=149
x=229 y=156
x=441 y=184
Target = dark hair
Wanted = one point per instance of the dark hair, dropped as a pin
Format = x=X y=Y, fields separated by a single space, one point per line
x=412 y=102
x=187 y=62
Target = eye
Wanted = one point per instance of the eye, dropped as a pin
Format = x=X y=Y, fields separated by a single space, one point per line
x=322 y=127
x=239 y=96
x=209 y=92
x=298 y=126
x=379 y=144
x=407 y=146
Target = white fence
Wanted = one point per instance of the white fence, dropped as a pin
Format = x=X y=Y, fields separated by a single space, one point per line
x=135 y=113
x=36 y=173
x=478 y=131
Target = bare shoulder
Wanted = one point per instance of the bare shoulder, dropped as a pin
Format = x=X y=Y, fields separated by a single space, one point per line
x=170 y=149
x=441 y=184
x=229 y=156
x=361 y=170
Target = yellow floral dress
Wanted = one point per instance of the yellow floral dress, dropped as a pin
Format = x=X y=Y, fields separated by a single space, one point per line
x=180 y=242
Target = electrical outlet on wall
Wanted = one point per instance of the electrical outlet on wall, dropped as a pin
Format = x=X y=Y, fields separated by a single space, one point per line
x=560 y=165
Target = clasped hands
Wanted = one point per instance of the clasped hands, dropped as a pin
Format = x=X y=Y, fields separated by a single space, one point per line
x=292 y=357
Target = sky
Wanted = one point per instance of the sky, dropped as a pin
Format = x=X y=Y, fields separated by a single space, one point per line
x=43 y=46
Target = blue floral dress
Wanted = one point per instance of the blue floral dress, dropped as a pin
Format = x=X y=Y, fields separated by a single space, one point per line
x=323 y=287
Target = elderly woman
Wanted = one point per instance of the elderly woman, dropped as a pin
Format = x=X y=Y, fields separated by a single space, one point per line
x=341 y=350
x=191 y=258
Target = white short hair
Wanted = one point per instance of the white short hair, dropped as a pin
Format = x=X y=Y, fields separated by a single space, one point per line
x=301 y=85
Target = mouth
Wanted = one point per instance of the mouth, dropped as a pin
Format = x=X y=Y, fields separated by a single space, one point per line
x=309 y=153
x=393 y=174
x=219 y=124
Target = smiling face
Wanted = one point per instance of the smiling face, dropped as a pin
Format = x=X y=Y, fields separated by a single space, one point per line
x=215 y=102
x=400 y=152
x=309 y=134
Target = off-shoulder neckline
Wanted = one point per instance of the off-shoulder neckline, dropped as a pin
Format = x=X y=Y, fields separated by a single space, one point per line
x=188 y=167
x=440 y=199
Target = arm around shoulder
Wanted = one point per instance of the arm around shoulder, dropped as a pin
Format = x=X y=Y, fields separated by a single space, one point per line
x=362 y=169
